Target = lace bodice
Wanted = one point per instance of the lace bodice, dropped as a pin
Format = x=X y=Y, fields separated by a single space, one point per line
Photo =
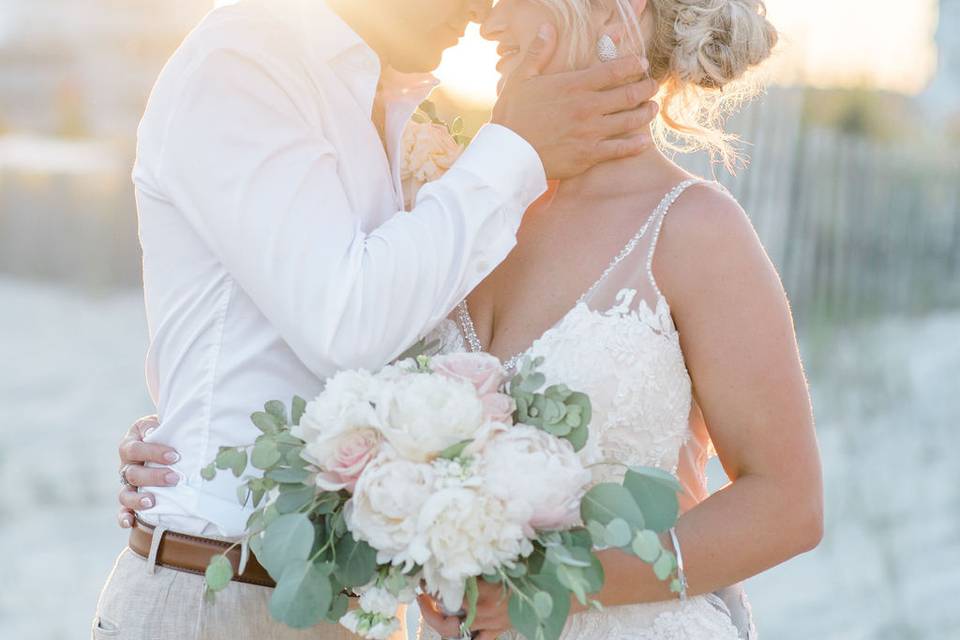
x=619 y=345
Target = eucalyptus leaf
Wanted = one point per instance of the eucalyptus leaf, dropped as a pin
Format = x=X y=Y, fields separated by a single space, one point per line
x=209 y=472
x=287 y=540
x=558 y=392
x=239 y=463
x=618 y=533
x=265 y=422
x=288 y=475
x=455 y=450
x=559 y=555
x=664 y=565
x=255 y=522
x=327 y=504
x=578 y=436
x=298 y=406
x=542 y=604
x=265 y=454
x=430 y=109
x=573 y=579
x=656 y=492
x=646 y=545
x=517 y=570
x=303 y=595
x=607 y=501
x=356 y=561
x=472 y=595
x=277 y=410
x=533 y=382
x=578 y=537
x=581 y=400
x=338 y=608
x=219 y=573
x=524 y=617
x=598 y=533
x=294 y=499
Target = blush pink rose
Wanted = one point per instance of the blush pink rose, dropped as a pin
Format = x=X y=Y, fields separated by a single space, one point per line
x=482 y=370
x=351 y=454
x=498 y=407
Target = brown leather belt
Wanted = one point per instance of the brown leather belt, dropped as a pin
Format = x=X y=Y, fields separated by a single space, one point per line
x=192 y=554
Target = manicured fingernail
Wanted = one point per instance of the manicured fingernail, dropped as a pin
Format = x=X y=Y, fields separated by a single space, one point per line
x=125 y=522
x=146 y=502
x=171 y=478
x=146 y=434
x=170 y=457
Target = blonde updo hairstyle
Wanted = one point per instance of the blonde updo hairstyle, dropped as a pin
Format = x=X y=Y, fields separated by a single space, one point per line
x=699 y=51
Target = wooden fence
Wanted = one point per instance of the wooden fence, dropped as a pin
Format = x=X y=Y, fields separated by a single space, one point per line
x=856 y=228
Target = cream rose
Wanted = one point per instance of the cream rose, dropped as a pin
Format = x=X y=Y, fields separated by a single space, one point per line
x=420 y=415
x=428 y=151
x=537 y=473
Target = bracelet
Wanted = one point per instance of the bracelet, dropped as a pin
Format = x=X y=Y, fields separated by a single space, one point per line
x=681 y=576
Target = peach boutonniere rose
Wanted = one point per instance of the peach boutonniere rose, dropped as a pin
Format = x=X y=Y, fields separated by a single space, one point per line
x=430 y=146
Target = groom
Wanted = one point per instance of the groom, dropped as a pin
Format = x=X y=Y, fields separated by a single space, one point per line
x=276 y=252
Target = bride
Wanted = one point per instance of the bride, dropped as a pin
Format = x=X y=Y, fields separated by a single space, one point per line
x=648 y=289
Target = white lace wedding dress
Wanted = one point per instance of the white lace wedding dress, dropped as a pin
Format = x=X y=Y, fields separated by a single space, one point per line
x=619 y=345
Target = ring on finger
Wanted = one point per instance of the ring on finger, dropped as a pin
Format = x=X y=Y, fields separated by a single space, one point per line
x=123 y=477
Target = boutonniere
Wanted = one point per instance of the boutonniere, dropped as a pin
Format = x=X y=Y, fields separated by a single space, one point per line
x=430 y=147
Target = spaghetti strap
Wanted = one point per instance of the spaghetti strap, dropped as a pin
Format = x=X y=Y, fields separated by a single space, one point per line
x=660 y=215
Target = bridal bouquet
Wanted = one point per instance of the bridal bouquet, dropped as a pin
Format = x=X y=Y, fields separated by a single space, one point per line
x=434 y=473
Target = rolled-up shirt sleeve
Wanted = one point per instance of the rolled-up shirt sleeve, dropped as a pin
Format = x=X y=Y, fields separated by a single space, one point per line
x=260 y=185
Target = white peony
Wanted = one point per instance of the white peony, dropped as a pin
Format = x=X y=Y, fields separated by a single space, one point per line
x=344 y=405
x=467 y=533
x=421 y=414
x=385 y=505
x=537 y=473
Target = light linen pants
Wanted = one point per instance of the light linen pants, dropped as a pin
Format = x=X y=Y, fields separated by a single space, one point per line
x=168 y=605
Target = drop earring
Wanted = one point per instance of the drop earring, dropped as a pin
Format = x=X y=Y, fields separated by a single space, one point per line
x=607 y=49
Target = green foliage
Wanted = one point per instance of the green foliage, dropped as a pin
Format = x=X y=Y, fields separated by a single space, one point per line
x=526 y=608
x=646 y=545
x=356 y=561
x=607 y=501
x=472 y=595
x=427 y=113
x=219 y=573
x=288 y=539
x=656 y=490
x=303 y=594
x=557 y=410
x=298 y=406
x=455 y=450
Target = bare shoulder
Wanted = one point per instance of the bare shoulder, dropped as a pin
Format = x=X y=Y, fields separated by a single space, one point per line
x=707 y=240
x=706 y=215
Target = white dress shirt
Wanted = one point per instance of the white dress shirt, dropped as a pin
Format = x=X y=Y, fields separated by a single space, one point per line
x=275 y=248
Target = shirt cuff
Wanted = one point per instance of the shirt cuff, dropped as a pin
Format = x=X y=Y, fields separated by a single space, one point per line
x=506 y=162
